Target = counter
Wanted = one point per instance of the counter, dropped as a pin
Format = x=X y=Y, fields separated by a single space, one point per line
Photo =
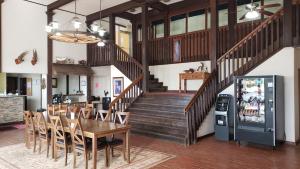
x=11 y=108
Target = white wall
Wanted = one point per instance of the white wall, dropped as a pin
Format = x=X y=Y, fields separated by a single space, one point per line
x=101 y=80
x=169 y=74
x=23 y=30
x=282 y=63
x=117 y=73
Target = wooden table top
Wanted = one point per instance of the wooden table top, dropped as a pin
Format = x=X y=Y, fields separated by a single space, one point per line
x=96 y=128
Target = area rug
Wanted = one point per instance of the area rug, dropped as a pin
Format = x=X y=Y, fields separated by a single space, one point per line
x=19 y=157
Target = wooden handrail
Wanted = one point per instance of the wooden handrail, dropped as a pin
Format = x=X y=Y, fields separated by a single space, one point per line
x=200 y=91
x=257 y=29
x=131 y=93
x=129 y=57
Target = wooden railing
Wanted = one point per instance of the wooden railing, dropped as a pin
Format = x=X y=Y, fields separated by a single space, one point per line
x=112 y=54
x=256 y=47
x=194 y=45
x=296 y=23
x=99 y=56
x=127 y=97
x=126 y=64
x=200 y=105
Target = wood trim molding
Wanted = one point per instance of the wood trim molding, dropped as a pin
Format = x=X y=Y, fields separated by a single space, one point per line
x=1 y=1
x=57 y=4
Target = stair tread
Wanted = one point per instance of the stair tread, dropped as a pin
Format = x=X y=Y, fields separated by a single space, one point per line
x=156 y=110
x=156 y=124
x=175 y=138
x=160 y=105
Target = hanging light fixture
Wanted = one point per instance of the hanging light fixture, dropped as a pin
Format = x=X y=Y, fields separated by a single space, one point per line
x=71 y=32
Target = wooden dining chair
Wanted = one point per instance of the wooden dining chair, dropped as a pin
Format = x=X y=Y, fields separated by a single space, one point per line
x=51 y=109
x=120 y=118
x=82 y=145
x=86 y=113
x=30 y=130
x=44 y=131
x=60 y=139
x=101 y=115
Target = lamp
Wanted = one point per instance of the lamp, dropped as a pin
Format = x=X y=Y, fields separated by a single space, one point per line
x=252 y=14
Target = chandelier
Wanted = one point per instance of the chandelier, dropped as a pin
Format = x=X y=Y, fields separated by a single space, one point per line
x=72 y=31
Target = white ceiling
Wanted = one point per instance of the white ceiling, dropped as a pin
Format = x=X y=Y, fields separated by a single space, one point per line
x=87 y=7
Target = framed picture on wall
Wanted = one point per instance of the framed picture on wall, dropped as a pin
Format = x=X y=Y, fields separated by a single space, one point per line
x=177 y=50
x=54 y=82
x=118 y=86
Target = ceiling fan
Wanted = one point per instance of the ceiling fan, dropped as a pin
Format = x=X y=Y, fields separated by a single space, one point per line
x=254 y=10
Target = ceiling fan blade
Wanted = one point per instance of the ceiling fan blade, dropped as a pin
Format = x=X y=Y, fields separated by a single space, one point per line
x=269 y=6
x=243 y=17
x=266 y=12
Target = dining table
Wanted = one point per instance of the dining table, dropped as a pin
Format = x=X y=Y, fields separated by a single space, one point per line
x=95 y=129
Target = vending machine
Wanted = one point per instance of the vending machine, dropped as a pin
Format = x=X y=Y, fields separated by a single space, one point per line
x=259 y=109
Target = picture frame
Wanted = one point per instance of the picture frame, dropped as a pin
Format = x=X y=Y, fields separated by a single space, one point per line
x=54 y=82
x=118 y=86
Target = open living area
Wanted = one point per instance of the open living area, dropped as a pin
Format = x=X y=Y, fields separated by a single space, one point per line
x=138 y=84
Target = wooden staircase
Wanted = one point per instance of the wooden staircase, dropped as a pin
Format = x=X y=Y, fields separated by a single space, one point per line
x=155 y=85
x=178 y=117
x=160 y=115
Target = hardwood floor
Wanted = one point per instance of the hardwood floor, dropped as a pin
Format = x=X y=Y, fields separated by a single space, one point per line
x=207 y=154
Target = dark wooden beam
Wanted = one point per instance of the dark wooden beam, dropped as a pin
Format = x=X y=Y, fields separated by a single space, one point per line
x=134 y=38
x=287 y=23
x=1 y=1
x=232 y=22
x=213 y=34
x=126 y=15
x=50 y=60
x=113 y=10
x=145 y=46
x=57 y=4
x=112 y=32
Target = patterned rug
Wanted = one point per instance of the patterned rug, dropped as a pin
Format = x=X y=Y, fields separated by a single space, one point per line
x=19 y=157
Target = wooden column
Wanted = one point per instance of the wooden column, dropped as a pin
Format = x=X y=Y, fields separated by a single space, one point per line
x=134 y=38
x=50 y=60
x=88 y=87
x=166 y=25
x=1 y=1
x=232 y=22
x=213 y=34
x=287 y=23
x=112 y=32
x=145 y=44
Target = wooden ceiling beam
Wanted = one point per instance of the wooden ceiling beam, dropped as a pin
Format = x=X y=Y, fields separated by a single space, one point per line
x=113 y=10
x=57 y=4
x=126 y=15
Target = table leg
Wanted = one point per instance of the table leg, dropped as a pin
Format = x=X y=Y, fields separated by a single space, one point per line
x=94 y=152
x=185 y=86
x=52 y=143
x=179 y=84
x=127 y=146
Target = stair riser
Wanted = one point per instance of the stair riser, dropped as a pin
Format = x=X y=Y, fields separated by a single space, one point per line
x=159 y=129
x=156 y=108
x=169 y=138
x=159 y=121
x=149 y=113
x=163 y=102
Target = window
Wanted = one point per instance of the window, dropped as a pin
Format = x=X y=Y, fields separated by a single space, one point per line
x=223 y=15
x=178 y=24
x=139 y=33
x=196 y=21
x=158 y=29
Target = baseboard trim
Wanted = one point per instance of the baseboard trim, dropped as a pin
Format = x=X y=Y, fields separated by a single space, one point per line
x=293 y=143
